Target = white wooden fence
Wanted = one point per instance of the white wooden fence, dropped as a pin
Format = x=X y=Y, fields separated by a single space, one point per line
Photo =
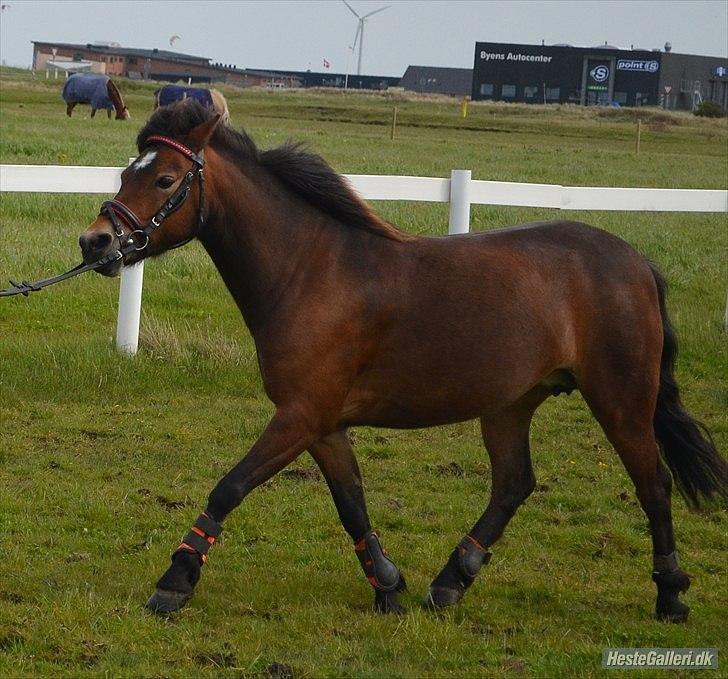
x=460 y=190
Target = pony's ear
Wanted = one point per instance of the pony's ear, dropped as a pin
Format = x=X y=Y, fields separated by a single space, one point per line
x=199 y=136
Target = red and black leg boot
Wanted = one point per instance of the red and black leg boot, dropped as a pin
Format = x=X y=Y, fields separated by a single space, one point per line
x=458 y=574
x=175 y=587
x=670 y=581
x=381 y=572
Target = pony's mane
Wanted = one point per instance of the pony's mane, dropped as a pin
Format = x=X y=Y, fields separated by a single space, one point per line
x=306 y=174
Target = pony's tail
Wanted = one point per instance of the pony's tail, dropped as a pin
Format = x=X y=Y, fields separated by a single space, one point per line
x=686 y=444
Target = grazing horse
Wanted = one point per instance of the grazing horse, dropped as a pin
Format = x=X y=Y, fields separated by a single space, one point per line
x=212 y=99
x=358 y=323
x=97 y=90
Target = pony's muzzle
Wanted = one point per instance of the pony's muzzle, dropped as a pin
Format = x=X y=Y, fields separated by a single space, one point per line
x=95 y=244
x=99 y=241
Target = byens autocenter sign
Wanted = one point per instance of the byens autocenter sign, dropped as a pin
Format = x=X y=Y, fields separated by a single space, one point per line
x=514 y=56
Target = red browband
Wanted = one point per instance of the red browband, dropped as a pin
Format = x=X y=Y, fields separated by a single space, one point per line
x=178 y=146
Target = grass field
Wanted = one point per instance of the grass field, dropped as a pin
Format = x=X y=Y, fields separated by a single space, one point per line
x=105 y=460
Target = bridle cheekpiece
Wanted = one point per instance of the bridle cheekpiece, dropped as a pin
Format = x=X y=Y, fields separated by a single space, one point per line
x=119 y=215
x=138 y=239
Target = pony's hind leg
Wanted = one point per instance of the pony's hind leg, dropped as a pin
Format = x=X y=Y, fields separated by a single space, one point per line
x=69 y=108
x=628 y=424
x=337 y=462
x=506 y=439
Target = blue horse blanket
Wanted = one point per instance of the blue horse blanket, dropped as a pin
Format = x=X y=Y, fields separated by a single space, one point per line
x=88 y=88
x=169 y=94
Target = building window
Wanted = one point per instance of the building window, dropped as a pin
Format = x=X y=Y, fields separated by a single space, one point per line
x=620 y=98
x=553 y=93
x=530 y=92
x=486 y=89
x=685 y=85
x=508 y=91
x=132 y=60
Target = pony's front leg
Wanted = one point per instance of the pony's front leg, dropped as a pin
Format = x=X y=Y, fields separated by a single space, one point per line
x=337 y=462
x=108 y=113
x=286 y=436
x=93 y=112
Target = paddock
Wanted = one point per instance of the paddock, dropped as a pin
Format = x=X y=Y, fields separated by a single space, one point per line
x=105 y=455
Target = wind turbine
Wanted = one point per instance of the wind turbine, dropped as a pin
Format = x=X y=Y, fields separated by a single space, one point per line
x=360 y=30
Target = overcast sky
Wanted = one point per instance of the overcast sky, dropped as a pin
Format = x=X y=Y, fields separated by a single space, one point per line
x=299 y=35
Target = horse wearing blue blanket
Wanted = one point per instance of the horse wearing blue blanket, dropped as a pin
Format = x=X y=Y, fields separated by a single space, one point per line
x=211 y=99
x=97 y=90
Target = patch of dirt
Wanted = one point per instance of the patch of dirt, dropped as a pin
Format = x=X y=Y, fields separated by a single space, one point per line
x=173 y=504
x=450 y=469
x=279 y=670
x=302 y=473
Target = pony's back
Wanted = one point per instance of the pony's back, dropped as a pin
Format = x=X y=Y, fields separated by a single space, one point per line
x=88 y=88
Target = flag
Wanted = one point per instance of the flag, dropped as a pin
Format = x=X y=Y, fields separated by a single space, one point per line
x=326 y=64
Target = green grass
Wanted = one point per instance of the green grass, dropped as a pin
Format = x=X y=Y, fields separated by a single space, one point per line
x=105 y=460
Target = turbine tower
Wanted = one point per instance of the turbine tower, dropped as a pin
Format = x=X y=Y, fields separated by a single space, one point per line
x=360 y=30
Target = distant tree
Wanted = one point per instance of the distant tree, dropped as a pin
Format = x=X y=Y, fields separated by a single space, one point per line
x=709 y=109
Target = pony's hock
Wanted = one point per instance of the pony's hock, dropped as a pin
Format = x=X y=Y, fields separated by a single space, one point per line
x=396 y=314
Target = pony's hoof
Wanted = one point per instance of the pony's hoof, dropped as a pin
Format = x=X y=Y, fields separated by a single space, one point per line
x=441 y=597
x=386 y=602
x=676 y=612
x=166 y=601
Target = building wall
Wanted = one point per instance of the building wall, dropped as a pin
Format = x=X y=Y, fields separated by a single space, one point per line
x=684 y=75
x=540 y=74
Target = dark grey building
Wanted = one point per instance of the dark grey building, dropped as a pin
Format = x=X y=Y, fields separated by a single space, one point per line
x=340 y=80
x=601 y=75
x=438 y=80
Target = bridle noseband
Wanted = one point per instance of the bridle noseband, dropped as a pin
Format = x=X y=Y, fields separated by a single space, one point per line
x=138 y=239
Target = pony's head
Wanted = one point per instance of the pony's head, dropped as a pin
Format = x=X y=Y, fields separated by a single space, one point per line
x=161 y=201
x=123 y=114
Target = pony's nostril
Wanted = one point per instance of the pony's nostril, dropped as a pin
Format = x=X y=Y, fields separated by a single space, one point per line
x=95 y=242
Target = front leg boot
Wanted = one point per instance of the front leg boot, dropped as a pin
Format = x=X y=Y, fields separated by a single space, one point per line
x=458 y=574
x=175 y=587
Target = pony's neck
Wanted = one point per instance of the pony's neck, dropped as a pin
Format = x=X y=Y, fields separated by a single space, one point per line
x=115 y=97
x=261 y=238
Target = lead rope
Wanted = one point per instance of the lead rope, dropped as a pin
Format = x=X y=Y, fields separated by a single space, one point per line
x=113 y=209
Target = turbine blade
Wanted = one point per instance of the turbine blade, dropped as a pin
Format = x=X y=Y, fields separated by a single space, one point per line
x=376 y=11
x=351 y=9
x=356 y=36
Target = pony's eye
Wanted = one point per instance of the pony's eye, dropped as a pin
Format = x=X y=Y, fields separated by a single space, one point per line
x=165 y=182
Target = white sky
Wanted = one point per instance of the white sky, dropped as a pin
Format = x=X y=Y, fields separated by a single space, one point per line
x=299 y=35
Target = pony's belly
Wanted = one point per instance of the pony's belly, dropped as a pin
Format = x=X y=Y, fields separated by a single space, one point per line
x=426 y=407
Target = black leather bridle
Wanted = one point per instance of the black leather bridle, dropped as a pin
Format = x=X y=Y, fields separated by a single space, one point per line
x=120 y=215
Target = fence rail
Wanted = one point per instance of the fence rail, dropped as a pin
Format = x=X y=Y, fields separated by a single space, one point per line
x=460 y=190
x=78 y=179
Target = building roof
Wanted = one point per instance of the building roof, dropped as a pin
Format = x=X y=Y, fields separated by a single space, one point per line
x=456 y=81
x=129 y=51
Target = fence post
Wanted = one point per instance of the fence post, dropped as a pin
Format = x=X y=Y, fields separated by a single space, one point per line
x=459 y=201
x=130 y=306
